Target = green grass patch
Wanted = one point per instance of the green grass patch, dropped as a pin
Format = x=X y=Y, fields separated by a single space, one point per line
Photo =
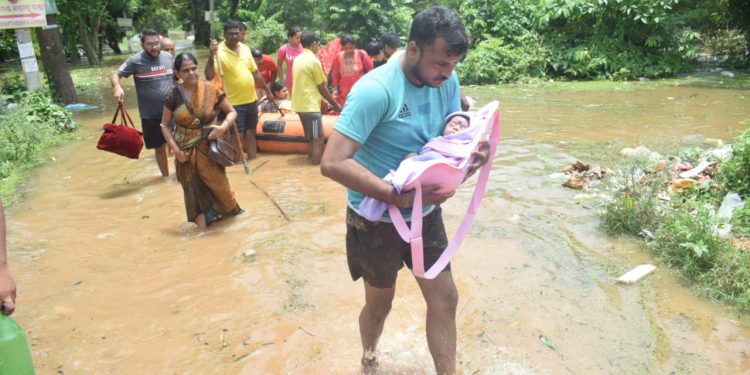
x=30 y=124
x=681 y=226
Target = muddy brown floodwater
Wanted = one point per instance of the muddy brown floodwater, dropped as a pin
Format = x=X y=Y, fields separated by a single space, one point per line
x=112 y=280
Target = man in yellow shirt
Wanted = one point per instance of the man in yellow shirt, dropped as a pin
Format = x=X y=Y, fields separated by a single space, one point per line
x=239 y=74
x=309 y=82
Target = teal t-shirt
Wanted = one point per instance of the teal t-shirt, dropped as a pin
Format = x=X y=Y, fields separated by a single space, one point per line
x=390 y=117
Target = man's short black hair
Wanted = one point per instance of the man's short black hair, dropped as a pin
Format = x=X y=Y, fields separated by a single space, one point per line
x=294 y=30
x=232 y=24
x=256 y=53
x=148 y=32
x=308 y=38
x=374 y=47
x=440 y=22
x=391 y=40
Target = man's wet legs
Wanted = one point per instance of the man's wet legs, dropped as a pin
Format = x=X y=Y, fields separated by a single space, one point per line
x=371 y=320
x=250 y=144
x=442 y=298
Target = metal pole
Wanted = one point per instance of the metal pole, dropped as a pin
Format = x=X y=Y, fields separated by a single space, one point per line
x=211 y=19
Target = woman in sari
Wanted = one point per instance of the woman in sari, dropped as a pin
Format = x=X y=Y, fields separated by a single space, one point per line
x=194 y=104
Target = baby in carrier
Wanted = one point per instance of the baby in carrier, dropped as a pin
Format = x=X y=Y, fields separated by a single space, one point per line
x=281 y=94
x=451 y=149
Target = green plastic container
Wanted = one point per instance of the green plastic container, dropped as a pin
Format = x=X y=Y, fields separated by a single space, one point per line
x=15 y=357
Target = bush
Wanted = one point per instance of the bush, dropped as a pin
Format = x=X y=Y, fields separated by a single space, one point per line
x=634 y=207
x=735 y=173
x=494 y=60
x=730 y=46
x=29 y=124
x=687 y=240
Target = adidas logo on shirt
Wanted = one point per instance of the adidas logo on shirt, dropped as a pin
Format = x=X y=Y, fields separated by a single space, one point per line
x=405 y=112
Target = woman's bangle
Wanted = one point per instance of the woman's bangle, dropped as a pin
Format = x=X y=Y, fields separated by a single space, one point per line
x=164 y=126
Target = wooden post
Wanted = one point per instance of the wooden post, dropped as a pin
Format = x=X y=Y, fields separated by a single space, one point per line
x=28 y=59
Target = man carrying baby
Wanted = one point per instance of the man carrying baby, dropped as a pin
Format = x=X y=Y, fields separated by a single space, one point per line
x=391 y=112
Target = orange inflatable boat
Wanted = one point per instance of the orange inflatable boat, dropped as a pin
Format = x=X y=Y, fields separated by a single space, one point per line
x=284 y=134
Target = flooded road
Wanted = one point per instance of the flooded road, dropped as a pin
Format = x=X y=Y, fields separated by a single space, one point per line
x=112 y=280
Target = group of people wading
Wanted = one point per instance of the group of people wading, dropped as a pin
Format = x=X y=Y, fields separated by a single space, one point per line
x=389 y=112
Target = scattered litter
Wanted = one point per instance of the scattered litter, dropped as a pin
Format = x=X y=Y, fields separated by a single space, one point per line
x=582 y=175
x=636 y=274
x=67 y=177
x=715 y=142
x=558 y=176
x=732 y=201
x=640 y=151
x=647 y=233
x=664 y=196
x=578 y=166
x=104 y=236
x=247 y=255
x=77 y=107
x=547 y=342
x=722 y=153
x=575 y=181
x=681 y=184
x=726 y=73
x=697 y=170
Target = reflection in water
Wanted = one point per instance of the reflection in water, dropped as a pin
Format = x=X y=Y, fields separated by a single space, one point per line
x=112 y=280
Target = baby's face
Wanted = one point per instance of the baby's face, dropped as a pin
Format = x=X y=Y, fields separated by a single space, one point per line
x=281 y=94
x=455 y=125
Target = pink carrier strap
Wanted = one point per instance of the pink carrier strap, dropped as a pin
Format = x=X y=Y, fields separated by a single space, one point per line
x=413 y=235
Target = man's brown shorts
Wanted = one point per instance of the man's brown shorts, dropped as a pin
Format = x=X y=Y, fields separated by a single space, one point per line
x=375 y=251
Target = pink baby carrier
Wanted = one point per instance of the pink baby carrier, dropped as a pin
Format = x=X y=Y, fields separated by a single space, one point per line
x=448 y=171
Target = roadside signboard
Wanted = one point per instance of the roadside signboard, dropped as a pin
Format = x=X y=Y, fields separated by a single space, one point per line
x=17 y=14
x=126 y=23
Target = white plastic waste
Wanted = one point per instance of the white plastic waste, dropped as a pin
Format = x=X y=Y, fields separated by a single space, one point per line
x=636 y=274
x=732 y=201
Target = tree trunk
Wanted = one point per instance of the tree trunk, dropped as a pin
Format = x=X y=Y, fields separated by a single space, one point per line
x=87 y=38
x=202 y=28
x=113 y=39
x=53 y=58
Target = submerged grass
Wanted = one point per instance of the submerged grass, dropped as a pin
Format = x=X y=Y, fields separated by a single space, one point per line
x=681 y=227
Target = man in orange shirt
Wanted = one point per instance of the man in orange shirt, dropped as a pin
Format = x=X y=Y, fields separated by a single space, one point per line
x=266 y=67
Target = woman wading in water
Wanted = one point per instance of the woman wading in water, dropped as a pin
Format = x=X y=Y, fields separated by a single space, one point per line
x=194 y=105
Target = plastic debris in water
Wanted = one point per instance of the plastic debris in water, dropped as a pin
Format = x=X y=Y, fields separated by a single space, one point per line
x=104 y=236
x=77 y=107
x=547 y=342
x=636 y=274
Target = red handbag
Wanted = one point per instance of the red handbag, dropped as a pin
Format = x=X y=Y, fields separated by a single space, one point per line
x=120 y=138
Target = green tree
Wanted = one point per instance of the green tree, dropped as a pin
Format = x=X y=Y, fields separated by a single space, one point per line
x=83 y=21
x=366 y=18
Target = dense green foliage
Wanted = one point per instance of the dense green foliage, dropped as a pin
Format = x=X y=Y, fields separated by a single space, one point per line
x=30 y=123
x=594 y=39
x=681 y=227
x=735 y=173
